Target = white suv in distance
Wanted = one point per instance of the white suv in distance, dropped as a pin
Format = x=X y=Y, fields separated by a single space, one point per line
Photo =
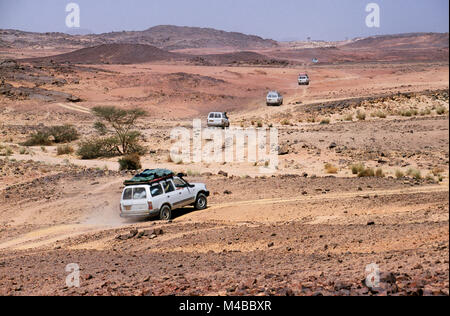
x=218 y=119
x=303 y=79
x=161 y=197
x=274 y=98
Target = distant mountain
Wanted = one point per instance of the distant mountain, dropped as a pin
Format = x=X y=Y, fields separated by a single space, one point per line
x=140 y=53
x=171 y=37
x=113 y=54
x=166 y=37
x=402 y=41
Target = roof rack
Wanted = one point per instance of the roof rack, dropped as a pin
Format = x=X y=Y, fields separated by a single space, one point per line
x=147 y=177
x=129 y=182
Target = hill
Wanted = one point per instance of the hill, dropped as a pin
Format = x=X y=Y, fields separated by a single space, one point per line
x=167 y=37
x=402 y=41
x=114 y=54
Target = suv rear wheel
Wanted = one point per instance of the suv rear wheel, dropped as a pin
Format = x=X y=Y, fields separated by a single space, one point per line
x=201 y=203
x=165 y=214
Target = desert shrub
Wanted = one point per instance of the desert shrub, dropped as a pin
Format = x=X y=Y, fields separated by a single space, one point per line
x=64 y=150
x=379 y=114
x=425 y=112
x=348 y=117
x=40 y=138
x=259 y=124
x=325 y=121
x=441 y=110
x=416 y=174
x=366 y=172
x=191 y=173
x=361 y=116
x=55 y=134
x=130 y=162
x=330 y=169
x=437 y=171
x=408 y=112
x=98 y=147
x=357 y=168
x=285 y=122
x=399 y=174
x=23 y=151
x=64 y=134
x=379 y=173
x=5 y=151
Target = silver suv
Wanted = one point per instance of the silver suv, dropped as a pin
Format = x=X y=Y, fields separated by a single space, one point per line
x=274 y=98
x=303 y=79
x=218 y=119
x=161 y=197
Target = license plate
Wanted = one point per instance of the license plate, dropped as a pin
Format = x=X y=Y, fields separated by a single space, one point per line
x=127 y=208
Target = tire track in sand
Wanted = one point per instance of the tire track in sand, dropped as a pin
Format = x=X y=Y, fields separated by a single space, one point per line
x=73 y=107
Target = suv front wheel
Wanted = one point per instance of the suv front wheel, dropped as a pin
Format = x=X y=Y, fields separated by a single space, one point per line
x=165 y=214
x=201 y=203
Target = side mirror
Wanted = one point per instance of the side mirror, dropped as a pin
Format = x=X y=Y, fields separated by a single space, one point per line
x=181 y=175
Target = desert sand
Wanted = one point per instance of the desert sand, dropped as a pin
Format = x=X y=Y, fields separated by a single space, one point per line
x=311 y=228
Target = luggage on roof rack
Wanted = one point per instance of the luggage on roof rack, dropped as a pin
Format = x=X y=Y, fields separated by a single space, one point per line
x=150 y=176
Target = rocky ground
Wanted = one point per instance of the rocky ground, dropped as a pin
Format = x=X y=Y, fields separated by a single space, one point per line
x=311 y=228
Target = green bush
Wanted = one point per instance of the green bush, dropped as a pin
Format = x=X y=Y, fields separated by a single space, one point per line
x=98 y=147
x=416 y=174
x=64 y=134
x=361 y=116
x=379 y=173
x=130 y=162
x=379 y=114
x=441 y=110
x=357 y=168
x=5 y=151
x=64 y=150
x=399 y=174
x=367 y=172
x=40 y=138
x=55 y=134
x=348 y=117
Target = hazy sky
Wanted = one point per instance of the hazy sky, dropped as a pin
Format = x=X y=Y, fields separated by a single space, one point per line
x=280 y=20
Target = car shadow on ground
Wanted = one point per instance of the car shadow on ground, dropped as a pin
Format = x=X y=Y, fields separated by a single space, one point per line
x=175 y=214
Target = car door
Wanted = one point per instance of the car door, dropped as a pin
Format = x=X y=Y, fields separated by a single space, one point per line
x=171 y=194
x=140 y=199
x=186 y=196
x=127 y=200
x=218 y=119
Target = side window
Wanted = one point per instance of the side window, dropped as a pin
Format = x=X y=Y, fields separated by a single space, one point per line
x=218 y=116
x=179 y=184
x=156 y=190
x=168 y=187
x=139 y=194
x=211 y=115
x=127 y=194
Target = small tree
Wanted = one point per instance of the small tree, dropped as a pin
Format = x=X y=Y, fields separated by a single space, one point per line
x=120 y=122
